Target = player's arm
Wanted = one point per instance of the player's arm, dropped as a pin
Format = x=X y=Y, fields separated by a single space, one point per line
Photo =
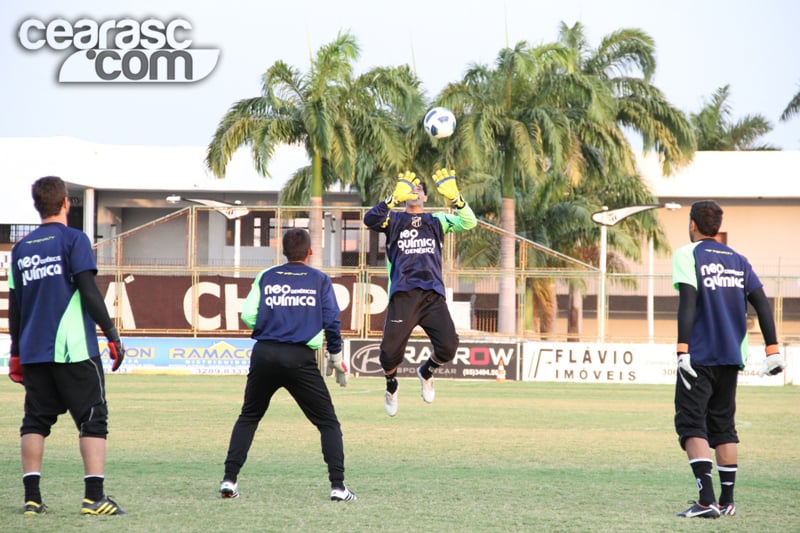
x=92 y=301
x=687 y=310
x=330 y=318
x=758 y=299
x=463 y=220
x=15 y=372
x=446 y=186
x=333 y=333
x=774 y=362
x=251 y=302
x=13 y=322
x=376 y=218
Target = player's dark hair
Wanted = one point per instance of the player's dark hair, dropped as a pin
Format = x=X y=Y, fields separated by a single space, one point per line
x=424 y=187
x=48 y=195
x=707 y=214
x=296 y=243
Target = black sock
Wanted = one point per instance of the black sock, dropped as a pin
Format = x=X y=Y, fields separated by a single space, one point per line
x=231 y=471
x=391 y=383
x=705 y=481
x=727 y=478
x=93 y=488
x=427 y=368
x=31 y=484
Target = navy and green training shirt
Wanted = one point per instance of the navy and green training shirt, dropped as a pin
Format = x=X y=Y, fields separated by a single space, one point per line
x=53 y=325
x=414 y=244
x=293 y=303
x=723 y=278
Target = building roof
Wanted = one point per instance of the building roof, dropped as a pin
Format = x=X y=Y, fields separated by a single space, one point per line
x=719 y=175
x=173 y=169
x=181 y=169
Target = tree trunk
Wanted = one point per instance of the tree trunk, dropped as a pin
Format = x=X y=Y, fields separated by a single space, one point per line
x=315 y=230
x=575 y=315
x=549 y=311
x=507 y=301
x=315 y=215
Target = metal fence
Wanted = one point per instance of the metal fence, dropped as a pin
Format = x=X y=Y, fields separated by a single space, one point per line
x=187 y=273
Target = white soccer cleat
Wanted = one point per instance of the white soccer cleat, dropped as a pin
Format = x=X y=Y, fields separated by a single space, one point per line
x=228 y=489
x=390 y=403
x=428 y=392
x=343 y=495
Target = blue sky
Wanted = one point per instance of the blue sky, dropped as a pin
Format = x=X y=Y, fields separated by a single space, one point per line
x=701 y=46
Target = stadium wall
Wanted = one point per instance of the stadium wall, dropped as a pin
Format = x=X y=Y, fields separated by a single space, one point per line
x=642 y=364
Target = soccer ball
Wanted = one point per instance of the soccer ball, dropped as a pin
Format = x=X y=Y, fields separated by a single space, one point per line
x=440 y=123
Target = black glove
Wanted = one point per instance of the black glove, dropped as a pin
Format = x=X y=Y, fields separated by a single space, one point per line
x=116 y=350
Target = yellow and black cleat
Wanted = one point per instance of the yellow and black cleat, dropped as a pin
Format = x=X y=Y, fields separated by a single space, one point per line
x=33 y=508
x=105 y=506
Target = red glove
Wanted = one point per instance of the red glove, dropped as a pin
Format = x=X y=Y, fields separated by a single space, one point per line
x=116 y=350
x=15 y=369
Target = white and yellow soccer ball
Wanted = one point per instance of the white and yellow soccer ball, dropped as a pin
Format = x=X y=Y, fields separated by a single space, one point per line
x=440 y=123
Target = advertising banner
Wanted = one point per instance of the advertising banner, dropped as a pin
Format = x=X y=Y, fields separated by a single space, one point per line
x=474 y=359
x=621 y=363
x=526 y=361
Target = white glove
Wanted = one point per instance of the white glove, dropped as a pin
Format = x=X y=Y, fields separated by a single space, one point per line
x=685 y=370
x=772 y=365
x=337 y=365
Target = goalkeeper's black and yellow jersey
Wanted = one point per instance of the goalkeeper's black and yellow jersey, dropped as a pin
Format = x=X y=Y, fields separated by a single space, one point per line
x=414 y=244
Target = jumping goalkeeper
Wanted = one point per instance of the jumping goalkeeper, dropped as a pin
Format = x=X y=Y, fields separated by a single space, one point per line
x=414 y=241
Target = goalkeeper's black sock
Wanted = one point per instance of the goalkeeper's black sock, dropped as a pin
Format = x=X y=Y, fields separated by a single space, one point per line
x=705 y=481
x=31 y=483
x=727 y=478
x=391 y=383
x=93 y=488
x=428 y=367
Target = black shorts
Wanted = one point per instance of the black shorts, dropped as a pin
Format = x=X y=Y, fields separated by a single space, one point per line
x=406 y=310
x=708 y=410
x=52 y=389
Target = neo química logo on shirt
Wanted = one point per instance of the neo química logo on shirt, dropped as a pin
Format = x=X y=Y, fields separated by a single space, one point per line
x=35 y=267
x=121 y=51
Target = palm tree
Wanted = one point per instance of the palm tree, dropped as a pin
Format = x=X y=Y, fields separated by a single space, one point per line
x=560 y=109
x=328 y=112
x=621 y=69
x=508 y=123
x=619 y=73
x=384 y=107
x=792 y=108
x=715 y=131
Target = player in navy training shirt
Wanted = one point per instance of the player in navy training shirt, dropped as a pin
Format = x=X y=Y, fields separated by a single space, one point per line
x=54 y=309
x=715 y=284
x=292 y=308
x=414 y=241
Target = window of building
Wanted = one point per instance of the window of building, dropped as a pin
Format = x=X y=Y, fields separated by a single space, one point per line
x=12 y=233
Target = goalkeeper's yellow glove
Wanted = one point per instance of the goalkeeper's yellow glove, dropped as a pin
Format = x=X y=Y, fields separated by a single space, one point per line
x=406 y=182
x=446 y=185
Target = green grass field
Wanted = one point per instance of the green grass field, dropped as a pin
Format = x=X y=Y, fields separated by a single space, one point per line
x=485 y=456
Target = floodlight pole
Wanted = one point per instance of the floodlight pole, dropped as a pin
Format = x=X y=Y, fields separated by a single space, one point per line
x=606 y=218
x=601 y=294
